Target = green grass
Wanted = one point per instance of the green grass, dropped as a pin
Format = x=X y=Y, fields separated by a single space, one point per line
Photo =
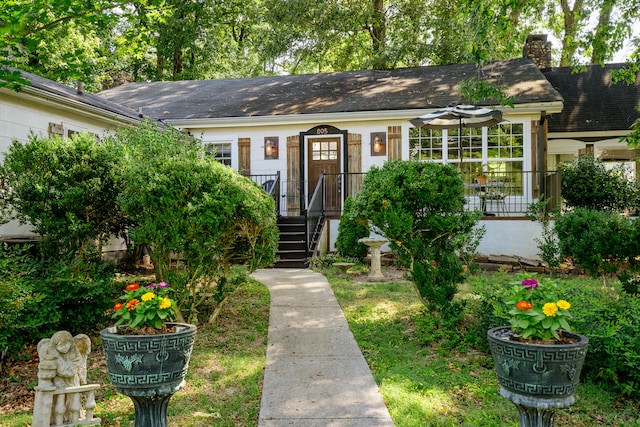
x=426 y=382
x=224 y=382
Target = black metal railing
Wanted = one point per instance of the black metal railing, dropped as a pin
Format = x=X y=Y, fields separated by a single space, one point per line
x=511 y=193
x=271 y=184
x=314 y=215
x=498 y=194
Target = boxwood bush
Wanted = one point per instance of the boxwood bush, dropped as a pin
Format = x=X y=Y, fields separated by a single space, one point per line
x=198 y=217
x=601 y=242
x=350 y=230
x=67 y=190
x=419 y=208
x=587 y=183
x=40 y=297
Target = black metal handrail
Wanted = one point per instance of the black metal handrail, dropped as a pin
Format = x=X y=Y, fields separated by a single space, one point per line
x=314 y=214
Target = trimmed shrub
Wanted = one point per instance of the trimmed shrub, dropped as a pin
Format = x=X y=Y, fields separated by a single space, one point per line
x=419 y=208
x=66 y=189
x=16 y=293
x=587 y=183
x=601 y=242
x=40 y=298
x=198 y=217
x=350 y=230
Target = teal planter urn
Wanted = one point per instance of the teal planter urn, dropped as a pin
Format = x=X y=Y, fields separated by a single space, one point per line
x=148 y=369
x=537 y=378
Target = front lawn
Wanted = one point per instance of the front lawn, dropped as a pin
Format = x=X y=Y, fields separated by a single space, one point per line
x=428 y=377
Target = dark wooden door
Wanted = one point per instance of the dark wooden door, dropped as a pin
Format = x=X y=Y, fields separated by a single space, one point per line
x=324 y=155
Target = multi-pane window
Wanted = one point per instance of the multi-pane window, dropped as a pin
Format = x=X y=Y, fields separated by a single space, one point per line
x=469 y=141
x=496 y=151
x=324 y=150
x=425 y=144
x=221 y=151
x=505 y=141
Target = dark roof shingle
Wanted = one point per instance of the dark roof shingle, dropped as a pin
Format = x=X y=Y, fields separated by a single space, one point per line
x=54 y=88
x=592 y=102
x=351 y=91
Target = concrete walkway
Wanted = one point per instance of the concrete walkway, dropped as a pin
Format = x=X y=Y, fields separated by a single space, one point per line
x=315 y=374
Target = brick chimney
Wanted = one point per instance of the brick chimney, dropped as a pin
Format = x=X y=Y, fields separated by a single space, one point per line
x=539 y=49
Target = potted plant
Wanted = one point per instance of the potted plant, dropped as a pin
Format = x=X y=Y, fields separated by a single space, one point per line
x=538 y=359
x=147 y=353
x=481 y=175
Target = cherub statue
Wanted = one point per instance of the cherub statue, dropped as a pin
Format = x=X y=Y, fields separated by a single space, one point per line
x=67 y=355
x=63 y=363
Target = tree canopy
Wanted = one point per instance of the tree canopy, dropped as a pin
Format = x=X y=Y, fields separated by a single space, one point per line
x=108 y=42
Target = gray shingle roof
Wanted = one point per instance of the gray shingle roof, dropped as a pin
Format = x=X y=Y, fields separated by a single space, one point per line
x=352 y=91
x=54 y=88
x=591 y=101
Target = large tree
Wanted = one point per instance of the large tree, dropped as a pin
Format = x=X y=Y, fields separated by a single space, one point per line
x=106 y=42
x=59 y=39
x=591 y=31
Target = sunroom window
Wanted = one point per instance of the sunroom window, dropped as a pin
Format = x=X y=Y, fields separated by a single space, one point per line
x=496 y=152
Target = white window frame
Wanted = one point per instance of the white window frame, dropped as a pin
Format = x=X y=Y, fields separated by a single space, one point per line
x=225 y=139
x=525 y=160
x=485 y=147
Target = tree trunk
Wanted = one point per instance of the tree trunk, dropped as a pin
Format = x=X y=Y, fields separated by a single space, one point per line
x=569 y=45
x=378 y=33
x=602 y=35
x=160 y=62
x=177 y=61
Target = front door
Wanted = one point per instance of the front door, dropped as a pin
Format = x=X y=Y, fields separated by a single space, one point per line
x=324 y=155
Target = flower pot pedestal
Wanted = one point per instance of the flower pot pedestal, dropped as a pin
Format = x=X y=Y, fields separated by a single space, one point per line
x=148 y=369
x=537 y=378
x=151 y=410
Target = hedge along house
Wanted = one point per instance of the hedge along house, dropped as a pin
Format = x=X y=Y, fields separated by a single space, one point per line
x=333 y=127
x=45 y=108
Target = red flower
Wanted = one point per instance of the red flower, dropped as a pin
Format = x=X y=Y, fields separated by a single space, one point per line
x=523 y=305
x=132 y=287
x=118 y=306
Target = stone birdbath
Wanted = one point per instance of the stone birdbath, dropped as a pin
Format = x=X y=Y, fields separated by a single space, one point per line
x=343 y=266
x=374 y=243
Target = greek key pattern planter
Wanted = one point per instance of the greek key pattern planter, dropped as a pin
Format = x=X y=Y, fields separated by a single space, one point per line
x=537 y=378
x=148 y=368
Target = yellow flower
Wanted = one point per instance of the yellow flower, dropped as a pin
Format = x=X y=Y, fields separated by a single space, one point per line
x=148 y=296
x=166 y=303
x=550 y=309
x=564 y=304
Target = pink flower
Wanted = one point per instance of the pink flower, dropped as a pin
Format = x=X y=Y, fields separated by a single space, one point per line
x=530 y=283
